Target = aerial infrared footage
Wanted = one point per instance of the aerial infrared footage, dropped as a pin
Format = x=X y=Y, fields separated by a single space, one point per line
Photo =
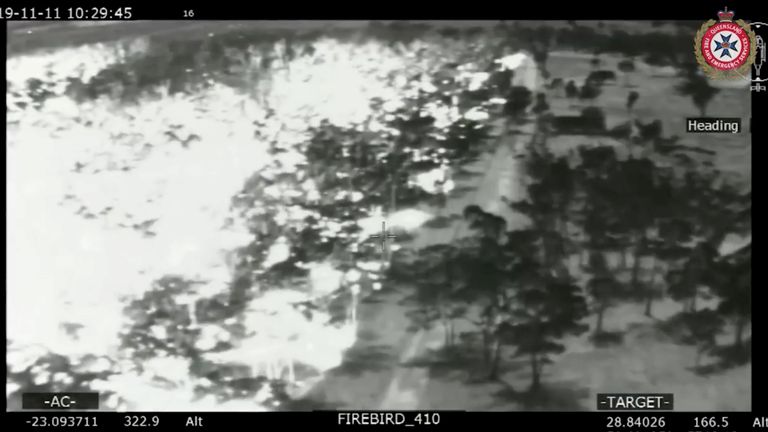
x=377 y=215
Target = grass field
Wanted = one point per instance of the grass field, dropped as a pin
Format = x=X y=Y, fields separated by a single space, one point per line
x=659 y=100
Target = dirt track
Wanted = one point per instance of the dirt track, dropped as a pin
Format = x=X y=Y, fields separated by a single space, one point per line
x=386 y=368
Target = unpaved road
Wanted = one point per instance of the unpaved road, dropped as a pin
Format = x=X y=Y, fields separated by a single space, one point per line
x=383 y=369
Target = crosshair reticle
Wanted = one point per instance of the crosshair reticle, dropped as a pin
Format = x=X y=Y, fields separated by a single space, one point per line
x=383 y=236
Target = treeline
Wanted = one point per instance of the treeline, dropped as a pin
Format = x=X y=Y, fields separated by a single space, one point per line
x=240 y=57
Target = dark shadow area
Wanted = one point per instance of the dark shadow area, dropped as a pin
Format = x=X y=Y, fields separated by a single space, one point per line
x=402 y=268
x=557 y=396
x=734 y=355
x=462 y=191
x=725 y=358
x=413 y=328
x=607 y=339
x=362 y=359
x=466 y=174
x=308 y=403
x=373 y=300
x=404 y=237
x=462 y=363
x=453 y=364
x=458 y=364
x=367 y=335
x=440 y=222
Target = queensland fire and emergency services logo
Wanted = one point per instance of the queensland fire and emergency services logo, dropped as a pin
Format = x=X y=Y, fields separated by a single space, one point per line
x=725 y=49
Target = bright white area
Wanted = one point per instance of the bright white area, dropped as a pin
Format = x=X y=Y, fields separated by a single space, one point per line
x=116 y=164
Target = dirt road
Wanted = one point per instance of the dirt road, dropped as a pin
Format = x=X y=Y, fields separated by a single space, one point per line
x=501 y=177
x=382 y=370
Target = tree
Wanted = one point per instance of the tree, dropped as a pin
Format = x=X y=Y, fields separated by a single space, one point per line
x=626 y=66
x=699 y=89
x=632 y=98
x=668 y=248
x=500 y=81
x=541 y=104
x=635 y=178
x=595 y=61
x=594 y=119
x=438 y=280
x=603 y=287
x=416 y=132
x=484 y=284
x=571 y=90
x=702 y=327
x=518 y=100
x=589 y=91
x=597 y=212
x=697 y=272
x=542 y=312
x=38 y=91
x=463 y=142
x=544 y=304
x=734 y=287
x=540 y=54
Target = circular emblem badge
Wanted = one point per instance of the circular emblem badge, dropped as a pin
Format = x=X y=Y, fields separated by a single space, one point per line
x=725 y=49
x=726 y=46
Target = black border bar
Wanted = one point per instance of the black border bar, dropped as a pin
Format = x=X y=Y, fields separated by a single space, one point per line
x=426 y=420
x=701 y=10
x=591 y=421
